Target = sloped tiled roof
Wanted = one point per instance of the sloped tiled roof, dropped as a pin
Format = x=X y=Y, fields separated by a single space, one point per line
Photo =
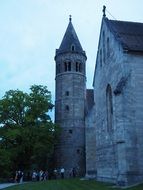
x=130 y=34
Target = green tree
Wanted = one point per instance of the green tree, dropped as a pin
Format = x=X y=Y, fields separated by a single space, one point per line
x=27 y=133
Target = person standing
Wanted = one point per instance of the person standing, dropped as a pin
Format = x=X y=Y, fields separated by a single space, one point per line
x=62 y=173
x=74 y=172
x=41 y=175
x=21 y=177
x=34 y=176
x=55 y=173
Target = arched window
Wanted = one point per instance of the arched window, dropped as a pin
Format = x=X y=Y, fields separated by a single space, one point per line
x=67 y=66
x=109 y=106
x=73 y=48
x=78 y=67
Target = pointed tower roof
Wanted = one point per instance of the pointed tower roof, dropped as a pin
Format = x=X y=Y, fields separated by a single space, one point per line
x=70 y=41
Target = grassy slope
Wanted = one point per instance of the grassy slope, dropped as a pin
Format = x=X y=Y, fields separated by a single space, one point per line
x=71 y=184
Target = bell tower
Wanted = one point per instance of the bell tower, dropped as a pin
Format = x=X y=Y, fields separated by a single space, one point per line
x=70 y=91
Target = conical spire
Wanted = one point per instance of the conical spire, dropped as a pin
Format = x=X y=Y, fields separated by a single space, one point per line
x=70 y=40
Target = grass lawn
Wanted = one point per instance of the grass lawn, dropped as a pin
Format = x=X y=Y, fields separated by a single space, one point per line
x=68 y=184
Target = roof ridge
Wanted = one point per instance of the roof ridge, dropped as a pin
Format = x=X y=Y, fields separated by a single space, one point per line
x=134 y=22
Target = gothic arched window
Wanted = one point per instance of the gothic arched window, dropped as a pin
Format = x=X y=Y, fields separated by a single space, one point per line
x=109 y=106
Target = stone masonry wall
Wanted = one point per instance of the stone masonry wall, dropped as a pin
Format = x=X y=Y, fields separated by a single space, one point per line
x=134 y=130
x=111 y=144
x=70 y=113
x=90 y=132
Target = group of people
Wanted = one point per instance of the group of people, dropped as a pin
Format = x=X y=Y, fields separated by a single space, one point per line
x=28 y=176
x=61 y=173
x=39 y=176
x=73 y=172
x=57 y=172
x=44 y=175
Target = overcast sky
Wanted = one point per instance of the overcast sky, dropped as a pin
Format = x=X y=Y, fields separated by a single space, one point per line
x=31 y=30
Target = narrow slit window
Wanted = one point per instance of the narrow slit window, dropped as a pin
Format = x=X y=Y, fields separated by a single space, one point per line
x=109 y=107
x=108 y=47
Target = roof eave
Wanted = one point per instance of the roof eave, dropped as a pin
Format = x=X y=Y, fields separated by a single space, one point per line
x=58 y=52
x=132 y=51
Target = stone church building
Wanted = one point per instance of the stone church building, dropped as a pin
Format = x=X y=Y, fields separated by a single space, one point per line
x=102 y=128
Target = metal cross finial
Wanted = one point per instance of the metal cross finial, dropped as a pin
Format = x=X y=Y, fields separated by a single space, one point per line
x=70 y=18
x=104 y=9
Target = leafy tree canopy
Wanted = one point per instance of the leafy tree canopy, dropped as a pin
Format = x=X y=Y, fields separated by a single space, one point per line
x=27 y=133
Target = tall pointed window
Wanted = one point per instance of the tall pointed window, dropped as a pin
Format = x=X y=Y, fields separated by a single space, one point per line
x=108 y=48
x=109 y=106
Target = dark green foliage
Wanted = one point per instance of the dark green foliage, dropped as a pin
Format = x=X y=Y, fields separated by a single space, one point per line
x=27 y=134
